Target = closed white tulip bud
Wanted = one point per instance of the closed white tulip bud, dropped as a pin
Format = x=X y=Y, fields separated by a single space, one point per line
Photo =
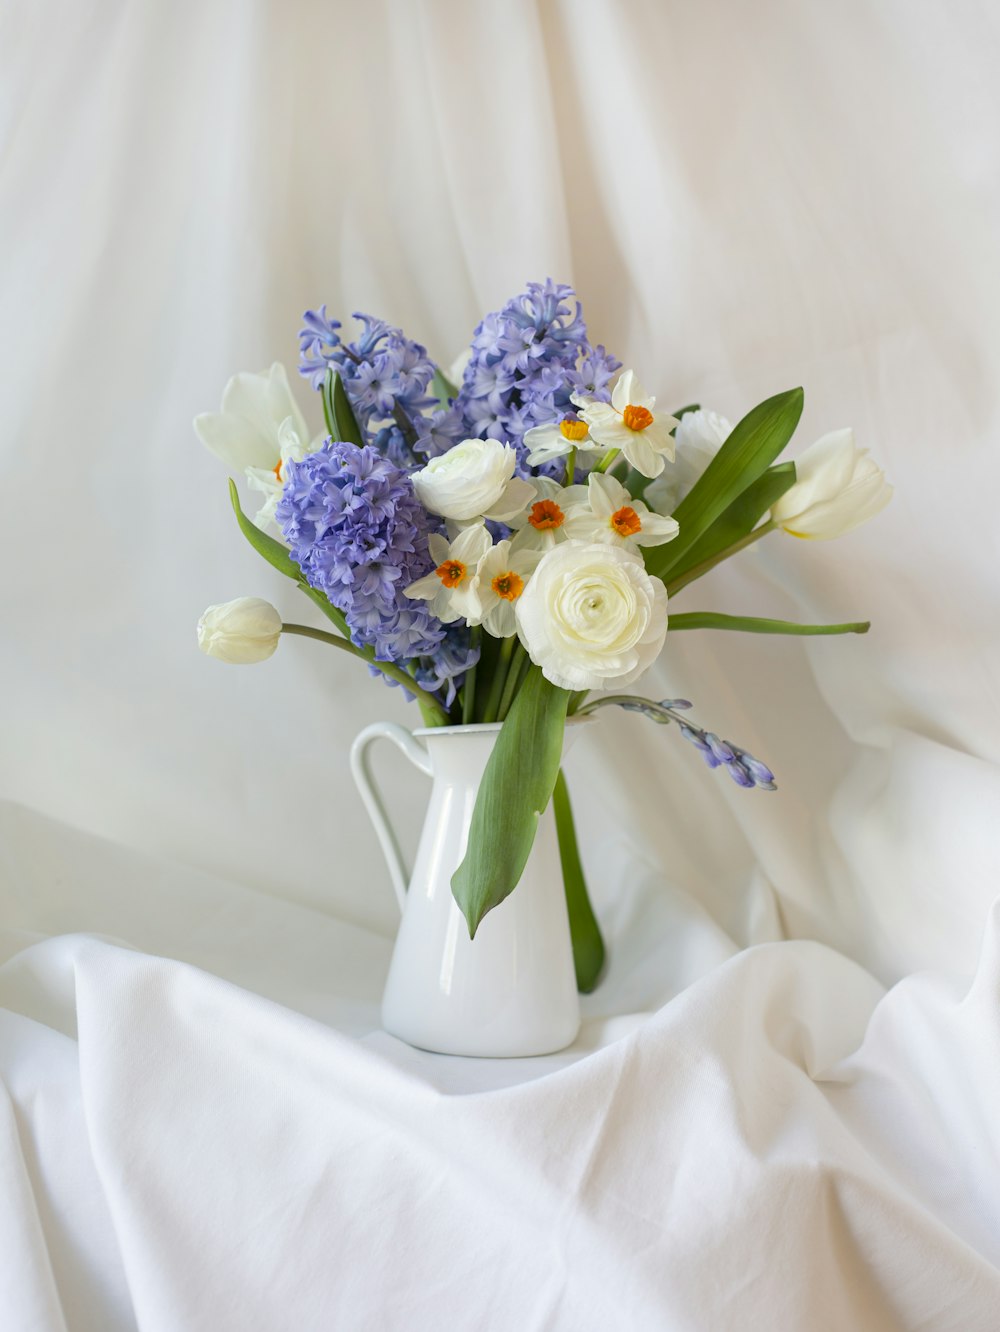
x=240 y=632
x=837 y=488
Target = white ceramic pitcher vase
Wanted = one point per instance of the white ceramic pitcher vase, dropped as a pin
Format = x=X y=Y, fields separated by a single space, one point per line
x=511 y=991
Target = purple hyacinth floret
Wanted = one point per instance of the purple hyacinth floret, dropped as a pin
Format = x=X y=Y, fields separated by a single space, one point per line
x=527 y=359
x=387 y=377
x=359 y=534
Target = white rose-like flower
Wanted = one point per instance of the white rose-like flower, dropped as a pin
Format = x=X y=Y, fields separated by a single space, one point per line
x=240 y=632
x=591 y=617
x=837 y=488
x=473 y=480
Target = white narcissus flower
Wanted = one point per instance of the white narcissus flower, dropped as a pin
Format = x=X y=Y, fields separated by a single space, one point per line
x=837 y=488
x=452 y=589
x=257 y=431
x=543 y=523
x=504 y=573
x=240 y=632
x=613 y=516
x=591 y=617
x=631 y=423
x=697 y=440
x=474 y=479
x=557 y=438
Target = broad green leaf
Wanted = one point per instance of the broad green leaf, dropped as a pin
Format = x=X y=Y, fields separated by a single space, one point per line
x=748 y=452
x=733 y=524
x=442 y=388
x=750 y=624
x=515 y=789
x=588 y=946
x=338 y=412
x=273 y=551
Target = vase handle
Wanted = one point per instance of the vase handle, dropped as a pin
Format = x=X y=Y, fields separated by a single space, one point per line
x=370 y=794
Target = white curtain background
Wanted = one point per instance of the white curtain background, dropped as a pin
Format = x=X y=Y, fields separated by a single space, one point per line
x=201 y=1125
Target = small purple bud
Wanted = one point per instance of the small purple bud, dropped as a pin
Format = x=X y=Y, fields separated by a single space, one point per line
x=739 y=774
x=722 y=751
x=679 y=703
x=760 y=772
x=709 y=757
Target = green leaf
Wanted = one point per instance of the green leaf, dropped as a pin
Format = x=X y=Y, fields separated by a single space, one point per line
x=338 y=412
x=442 y=388
x=749 y=624
x=329 y=415
x=748 y=452
x=515 y=789
x=588 y=946
x=737 y=521
x=273 y=551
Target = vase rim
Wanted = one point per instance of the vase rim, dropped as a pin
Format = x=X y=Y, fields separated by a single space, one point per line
x=484 y=728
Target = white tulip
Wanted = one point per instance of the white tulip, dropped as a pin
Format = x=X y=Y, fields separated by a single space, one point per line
x=837 y=488
x=591 y=617
x=697 y=440
x=258 y=430
x=474 y=479
x=240 y=632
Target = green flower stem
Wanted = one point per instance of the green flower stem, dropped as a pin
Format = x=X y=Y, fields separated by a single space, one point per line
x=425 y=699
x=500 y=672
x=607 y=460
x=689 y=576
x=469 y=687
x=518 y=669
x=570 y=467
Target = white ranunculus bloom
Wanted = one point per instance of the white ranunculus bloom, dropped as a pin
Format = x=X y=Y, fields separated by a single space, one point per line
x=504 y=573
x=613 y=516
x=473 y=480
x=257 y=431
x=591 y=617
x=697 y=440
x=452 y=588
x=631 y=423
x=837 y=488
x=240 y=632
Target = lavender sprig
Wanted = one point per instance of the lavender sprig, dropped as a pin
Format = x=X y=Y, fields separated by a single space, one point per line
x=743 y=768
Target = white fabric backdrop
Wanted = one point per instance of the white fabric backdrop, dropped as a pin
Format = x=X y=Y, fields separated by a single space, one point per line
x=202 y=1125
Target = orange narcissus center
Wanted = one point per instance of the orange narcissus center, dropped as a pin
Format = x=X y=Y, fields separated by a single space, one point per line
x=546 y=514
x=637 y=418
x=626 y=522
x=451 y=573
x=508 y=585
x=574 y=430
x=277 y=470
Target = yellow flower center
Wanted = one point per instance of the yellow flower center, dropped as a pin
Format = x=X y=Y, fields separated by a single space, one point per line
x=574 y=430
x=508 y=585
x=546 y=514
x=637 y=418
x=451 y=573
x=626 y=521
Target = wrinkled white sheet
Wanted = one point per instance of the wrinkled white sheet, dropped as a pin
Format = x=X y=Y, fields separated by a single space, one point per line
x=202 y=1126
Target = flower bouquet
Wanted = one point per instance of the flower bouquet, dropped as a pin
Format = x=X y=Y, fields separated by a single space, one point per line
x=503 y=544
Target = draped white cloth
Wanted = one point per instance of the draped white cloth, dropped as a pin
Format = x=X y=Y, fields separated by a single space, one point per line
x=781 y=1112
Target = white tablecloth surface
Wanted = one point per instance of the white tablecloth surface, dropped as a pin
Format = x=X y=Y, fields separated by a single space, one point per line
x=782 y=1110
